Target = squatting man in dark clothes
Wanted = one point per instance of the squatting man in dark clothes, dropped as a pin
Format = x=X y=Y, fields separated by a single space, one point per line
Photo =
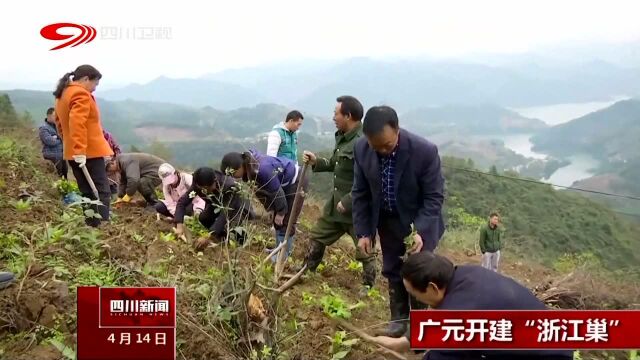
x=138 y=173
x=397 y=183
x=222 y=203
x=433 y=280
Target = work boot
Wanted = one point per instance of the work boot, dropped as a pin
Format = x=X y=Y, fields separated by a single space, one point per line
x=399 y=307
x=315 y=255
x=369 y=271
x=6 y=278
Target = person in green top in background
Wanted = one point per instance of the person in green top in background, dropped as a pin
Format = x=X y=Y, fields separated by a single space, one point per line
x=283 y=138
x=490 y=243
x=336 y=217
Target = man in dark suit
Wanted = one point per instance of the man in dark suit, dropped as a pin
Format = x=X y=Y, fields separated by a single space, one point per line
x=436 y=281
x=397 y=183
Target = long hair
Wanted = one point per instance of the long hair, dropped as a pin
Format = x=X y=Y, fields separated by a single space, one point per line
x=80 y=72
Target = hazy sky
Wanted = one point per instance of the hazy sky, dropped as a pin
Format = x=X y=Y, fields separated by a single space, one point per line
x=215 y=35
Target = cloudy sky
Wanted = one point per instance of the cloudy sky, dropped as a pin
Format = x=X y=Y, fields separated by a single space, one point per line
x=211 y=36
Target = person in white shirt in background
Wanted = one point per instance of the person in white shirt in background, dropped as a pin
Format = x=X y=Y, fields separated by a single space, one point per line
x=283 y=138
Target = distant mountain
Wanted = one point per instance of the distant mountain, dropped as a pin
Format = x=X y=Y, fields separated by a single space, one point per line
x=192 y=92
x=135 y=122
x=405 y=84
x=474 y=120
x=610 y=135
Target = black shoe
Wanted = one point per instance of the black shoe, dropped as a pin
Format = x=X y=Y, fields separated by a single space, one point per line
x=6 y=279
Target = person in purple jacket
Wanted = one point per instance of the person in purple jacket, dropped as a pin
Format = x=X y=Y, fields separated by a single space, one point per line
x=434 y=280
x=276 y=180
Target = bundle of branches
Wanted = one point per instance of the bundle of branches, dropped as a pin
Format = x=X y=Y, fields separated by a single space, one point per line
x=579 y=290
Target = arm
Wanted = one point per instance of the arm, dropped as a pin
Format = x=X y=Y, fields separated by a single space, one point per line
x=80 y=106
x=324 y=164
x=47 y=137
x=273 y=143
x=483 y=240
x=133 y=177
x=273 y=192
x=361 y=199
x=432 y=186
x=181 y=207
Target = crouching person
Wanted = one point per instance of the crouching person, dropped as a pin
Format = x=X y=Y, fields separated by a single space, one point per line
x=222 y=204
x=276 y=180
x=433 y=280
x=174 y=185
x=138 y=173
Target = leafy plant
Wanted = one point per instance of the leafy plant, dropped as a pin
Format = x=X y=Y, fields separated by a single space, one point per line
x=168 y=236
x=22 y=205
x=65 y=187
x=355 y=266
x=340 y=345
x=335 y=307
x=97 y=274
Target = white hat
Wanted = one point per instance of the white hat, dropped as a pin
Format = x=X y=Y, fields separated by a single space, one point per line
x=167 y=173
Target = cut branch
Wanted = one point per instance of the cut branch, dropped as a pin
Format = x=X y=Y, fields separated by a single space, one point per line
x=366 y=337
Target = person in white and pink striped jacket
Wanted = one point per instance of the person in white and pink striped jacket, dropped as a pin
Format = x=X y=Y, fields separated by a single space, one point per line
x=174 y=185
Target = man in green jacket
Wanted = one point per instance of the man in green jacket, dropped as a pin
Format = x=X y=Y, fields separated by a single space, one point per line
x=336 y=217
x=490 y=243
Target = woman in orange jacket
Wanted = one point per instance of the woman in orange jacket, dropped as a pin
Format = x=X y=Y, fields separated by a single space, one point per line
x=84 y=145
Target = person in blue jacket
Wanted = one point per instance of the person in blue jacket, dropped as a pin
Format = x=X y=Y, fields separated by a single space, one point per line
x=52 y=143
x=434 y=280
x=276 y=180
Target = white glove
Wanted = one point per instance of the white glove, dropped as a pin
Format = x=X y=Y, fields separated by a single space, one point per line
x=80 y=160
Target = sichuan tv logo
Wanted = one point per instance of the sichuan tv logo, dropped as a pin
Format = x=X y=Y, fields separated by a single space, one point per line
x=51 y=32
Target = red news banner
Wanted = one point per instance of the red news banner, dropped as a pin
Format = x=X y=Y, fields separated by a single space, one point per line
x=126 y=323
x=524 y=329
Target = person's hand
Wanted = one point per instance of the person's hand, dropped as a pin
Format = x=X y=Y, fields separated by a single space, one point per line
x=309 y=158
x=364 y=243
x=400 y=344
x=81 y=160
x=278 y=219
x=340 y=208
x=417 y=244
x=201 y=243
x=179 y=230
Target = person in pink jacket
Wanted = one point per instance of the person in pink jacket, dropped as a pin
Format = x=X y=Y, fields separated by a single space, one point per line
x=174 y=185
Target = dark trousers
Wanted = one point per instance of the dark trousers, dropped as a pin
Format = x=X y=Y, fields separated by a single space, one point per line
x=98 y=173
x=147 y=188
x=161 y=208
x=392 y=234
x=290 y=194
x=62 y=169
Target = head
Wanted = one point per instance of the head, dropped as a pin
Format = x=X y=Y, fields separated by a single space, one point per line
x=84 y=75
x=204 y=178
x=112 y=165
x=494 y=219
x=348 y=113
x=426 y=276
x=168 y=175
x=51 y=115
x=234 y=164
x=293 y=121
x=381 y=129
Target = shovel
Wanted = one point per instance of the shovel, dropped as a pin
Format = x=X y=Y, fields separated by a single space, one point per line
x=90 y=181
